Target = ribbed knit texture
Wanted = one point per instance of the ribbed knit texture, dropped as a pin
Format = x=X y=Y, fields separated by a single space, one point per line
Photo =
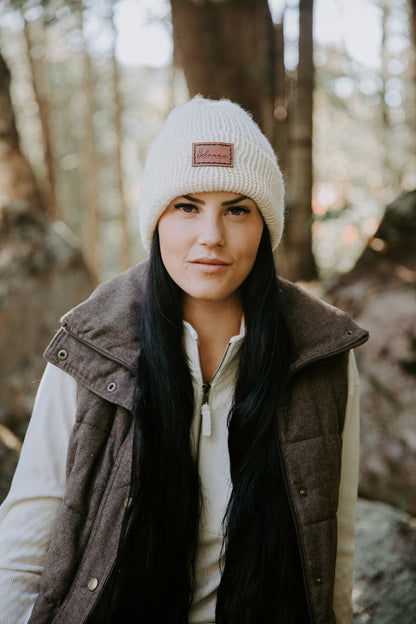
x=169 y=172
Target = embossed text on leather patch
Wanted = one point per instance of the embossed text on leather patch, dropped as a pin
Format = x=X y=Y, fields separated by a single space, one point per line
x=212 y=154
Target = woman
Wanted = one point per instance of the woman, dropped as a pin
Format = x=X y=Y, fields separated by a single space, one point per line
x=212 y=468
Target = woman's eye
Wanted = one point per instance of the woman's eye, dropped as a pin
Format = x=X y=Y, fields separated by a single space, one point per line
x=237 y=211
x=186 y=208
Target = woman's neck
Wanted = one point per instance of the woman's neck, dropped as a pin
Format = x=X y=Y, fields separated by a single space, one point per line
x=215 y=323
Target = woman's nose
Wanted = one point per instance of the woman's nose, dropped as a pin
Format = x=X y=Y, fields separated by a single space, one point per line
x=211 y=231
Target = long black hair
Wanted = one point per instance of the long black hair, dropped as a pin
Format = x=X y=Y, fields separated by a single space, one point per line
x=154 y=578
x=262 y=579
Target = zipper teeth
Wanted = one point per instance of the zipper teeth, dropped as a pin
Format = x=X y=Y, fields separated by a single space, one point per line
x=219 y=365
x=206 y=388
x=102 y=352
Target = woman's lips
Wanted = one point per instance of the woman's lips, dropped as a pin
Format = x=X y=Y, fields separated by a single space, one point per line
x=210 y=265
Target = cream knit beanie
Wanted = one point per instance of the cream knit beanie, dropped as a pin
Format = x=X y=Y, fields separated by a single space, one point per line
x=211 y=145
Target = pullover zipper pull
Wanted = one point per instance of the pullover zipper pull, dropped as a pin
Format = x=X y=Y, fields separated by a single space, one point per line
x=206 y=412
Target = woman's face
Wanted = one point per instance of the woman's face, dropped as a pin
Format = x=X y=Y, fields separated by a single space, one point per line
x=209 y=243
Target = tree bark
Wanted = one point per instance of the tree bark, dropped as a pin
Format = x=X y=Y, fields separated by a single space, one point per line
x=297 y=243
x=226 y=49
x=413 y=35
x=41 y=92
x=280 y=111
x=90 y=177
x=118 y=108
x=17 y=182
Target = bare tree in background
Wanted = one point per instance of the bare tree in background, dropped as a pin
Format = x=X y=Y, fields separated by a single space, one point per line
x=41 y=92
x=17 y=182
x=118 y=108
x=298 y=257
x=90 y=166
x=413 y=35
x=226 y=50
x=232 y=49
x=280 y=111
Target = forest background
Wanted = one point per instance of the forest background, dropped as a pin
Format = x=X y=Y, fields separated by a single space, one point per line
x=86 y=119
x=85 y=86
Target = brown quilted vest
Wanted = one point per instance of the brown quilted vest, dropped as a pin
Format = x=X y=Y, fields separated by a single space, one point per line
x=98 y=346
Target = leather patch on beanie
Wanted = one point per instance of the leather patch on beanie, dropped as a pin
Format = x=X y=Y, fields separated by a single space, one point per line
x=212 y=154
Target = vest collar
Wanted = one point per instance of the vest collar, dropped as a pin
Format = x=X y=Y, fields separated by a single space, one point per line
x=318 y=330
x=106 y=325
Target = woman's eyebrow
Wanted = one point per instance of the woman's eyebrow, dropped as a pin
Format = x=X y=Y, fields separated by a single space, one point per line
x=234 y=201
x=193 y=199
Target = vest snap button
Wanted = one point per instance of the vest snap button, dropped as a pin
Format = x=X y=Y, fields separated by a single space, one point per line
x=302 y=491
x=112 y=386
x=318 y=580
x=62 y=354
x=92 y=584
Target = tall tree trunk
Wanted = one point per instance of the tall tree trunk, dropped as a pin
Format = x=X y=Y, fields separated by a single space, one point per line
x=17 y=182
x=385 y=120
x=232 y=49
x=118 y=108
x=41 y=91
x=297 y=242
x=413 y=35
x=90 y=177
x=226 y=49
x=390 y=175
x=280 y=111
